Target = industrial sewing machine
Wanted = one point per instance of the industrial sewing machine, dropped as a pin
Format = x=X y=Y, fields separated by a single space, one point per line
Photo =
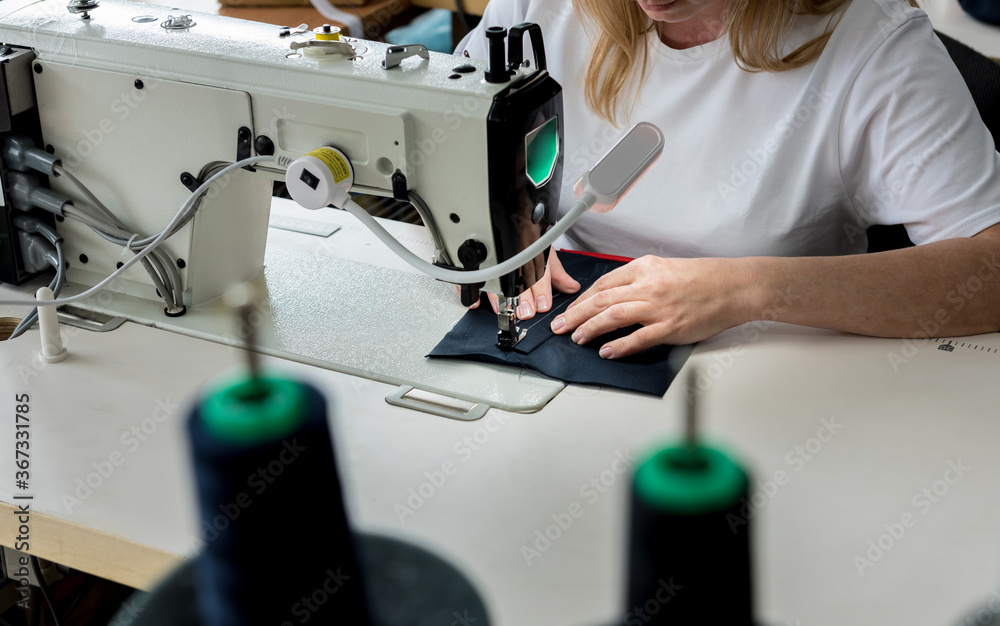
x=132 y=104
x=140 y=111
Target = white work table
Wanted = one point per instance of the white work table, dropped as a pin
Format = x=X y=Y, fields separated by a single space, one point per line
x=895 y=432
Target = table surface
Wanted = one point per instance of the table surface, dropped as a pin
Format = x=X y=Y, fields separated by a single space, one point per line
x=860 y=427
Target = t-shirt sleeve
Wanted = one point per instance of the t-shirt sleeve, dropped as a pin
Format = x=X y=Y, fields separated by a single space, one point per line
x=505 y=13
x=913 y=147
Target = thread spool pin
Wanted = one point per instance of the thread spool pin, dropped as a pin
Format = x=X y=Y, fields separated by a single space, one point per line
x=691 y=416
x=53 y=350
x=243 y=300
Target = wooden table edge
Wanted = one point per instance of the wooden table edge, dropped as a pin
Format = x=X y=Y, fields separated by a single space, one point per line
x=88 y=550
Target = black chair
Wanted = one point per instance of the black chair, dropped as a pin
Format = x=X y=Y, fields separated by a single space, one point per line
x=982 y=75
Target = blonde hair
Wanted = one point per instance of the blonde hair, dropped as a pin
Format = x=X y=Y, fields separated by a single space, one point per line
x=756 y=28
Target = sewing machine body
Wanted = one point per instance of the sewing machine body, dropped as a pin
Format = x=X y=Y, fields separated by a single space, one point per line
x=130 y=106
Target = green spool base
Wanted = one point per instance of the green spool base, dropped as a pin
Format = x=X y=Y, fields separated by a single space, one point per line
x=689 y=481
x=252 y=411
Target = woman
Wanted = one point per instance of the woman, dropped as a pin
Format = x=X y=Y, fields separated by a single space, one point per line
x=791 y=126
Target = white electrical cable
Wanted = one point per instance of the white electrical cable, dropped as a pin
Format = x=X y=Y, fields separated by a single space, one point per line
x=601 y=188
x=159 y=238
x=172 y=278
x=56 y=286
x=476 y=276
x=160 y=268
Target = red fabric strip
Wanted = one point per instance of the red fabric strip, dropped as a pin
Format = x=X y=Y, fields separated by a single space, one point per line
x=597 y=255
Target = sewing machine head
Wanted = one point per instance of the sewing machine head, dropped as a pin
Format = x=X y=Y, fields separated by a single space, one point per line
x=140 y=106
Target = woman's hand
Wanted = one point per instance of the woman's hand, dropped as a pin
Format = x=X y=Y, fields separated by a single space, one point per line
x=539 y=296
x=677 y=301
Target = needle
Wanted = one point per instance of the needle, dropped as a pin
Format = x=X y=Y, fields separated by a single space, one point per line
x=691 y=417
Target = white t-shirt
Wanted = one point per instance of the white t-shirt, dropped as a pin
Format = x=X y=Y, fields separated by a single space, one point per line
x=881 y=129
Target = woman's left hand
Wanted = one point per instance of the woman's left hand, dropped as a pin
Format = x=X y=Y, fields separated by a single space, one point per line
x=677 y=301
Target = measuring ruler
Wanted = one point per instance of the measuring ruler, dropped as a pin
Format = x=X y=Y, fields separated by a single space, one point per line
x=950 y=345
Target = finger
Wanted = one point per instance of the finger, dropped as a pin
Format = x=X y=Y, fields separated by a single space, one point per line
x=526 y=301
x=642 y=339
x=542 y=286
x=615 y=278
x=560 y=280
x=526 y=305
x=493 y=302
x=614 y=317
x=589 y=307
x=541 y=296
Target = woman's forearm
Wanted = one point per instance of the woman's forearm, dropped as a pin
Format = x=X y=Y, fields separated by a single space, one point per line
x=948 y=288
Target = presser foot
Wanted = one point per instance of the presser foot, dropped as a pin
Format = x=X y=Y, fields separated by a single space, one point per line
x=509 y=334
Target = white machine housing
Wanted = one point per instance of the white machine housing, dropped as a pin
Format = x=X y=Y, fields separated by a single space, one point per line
x=130 y=105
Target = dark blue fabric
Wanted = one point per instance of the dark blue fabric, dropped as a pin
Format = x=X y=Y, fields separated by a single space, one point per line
x=475 y=338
